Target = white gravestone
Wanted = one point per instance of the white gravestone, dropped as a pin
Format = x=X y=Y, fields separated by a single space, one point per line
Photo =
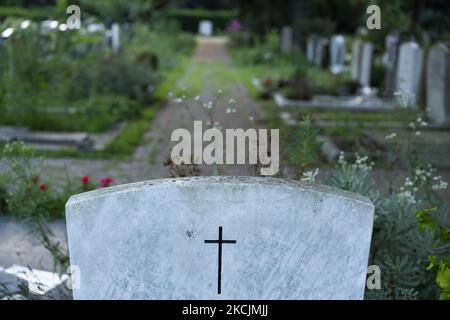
x=355 y=68
x=366 y=64
x=115 y=37
x=337 y=54
x=286 y=39
x=219 y=238
x=438 y=84
x=409 y=68
x=205 y=28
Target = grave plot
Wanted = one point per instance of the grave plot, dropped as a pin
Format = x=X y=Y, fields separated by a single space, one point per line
x=89 y=87
x=244 y=249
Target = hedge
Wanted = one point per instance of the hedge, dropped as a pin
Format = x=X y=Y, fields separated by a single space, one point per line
x=37 y=13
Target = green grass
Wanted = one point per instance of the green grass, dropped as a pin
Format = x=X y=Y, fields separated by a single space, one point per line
x=130 y=137
x=213 y=76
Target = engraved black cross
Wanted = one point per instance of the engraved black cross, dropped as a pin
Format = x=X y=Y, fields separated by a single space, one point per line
x=220 y=241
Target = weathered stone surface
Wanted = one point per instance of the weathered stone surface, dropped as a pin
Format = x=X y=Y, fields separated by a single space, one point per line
x=438 y=84
x=147 y=240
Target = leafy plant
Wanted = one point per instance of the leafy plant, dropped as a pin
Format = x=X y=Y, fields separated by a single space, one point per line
x=302 y=146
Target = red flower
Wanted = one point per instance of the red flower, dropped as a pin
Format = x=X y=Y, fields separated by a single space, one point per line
x=85 y=180
x=43 y=187
x=106 y=182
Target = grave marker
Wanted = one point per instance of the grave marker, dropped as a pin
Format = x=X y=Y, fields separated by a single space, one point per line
x=438 y=84
x=366 y=64
x=320 y=52
x=278 y=239
x=310 y=48
x=205 y=28
x=286 y=39
x=337 y=54
x=391 y=46
x=356 y=59
x=409 y=69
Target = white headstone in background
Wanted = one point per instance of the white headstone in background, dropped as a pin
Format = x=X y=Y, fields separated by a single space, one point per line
x=219 y=238
x=355 y=68
x=409 y=68
x=286 y=39
x=438 y=84
x=205 y=28
x=366 y=64
x=115 y=37
x=337 y=54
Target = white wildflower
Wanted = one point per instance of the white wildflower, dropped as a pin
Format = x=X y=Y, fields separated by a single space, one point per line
x=310 y=176
x=390 y=136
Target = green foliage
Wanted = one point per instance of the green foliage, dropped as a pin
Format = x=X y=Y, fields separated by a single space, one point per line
x=32 y=200
x=124 y=11
x=258 y=51
x=73 y=73
x=302 y=147
x=131 y=135
x=34 y=13
x=443 y=280
x=404 y=235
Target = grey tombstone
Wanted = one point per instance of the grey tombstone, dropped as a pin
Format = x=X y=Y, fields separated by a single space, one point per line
x=310 y=48
x=219 y=238
x=409 y=69
x=392 y=41
x=337 y=54
x=438 y=84
x=205 y=28
x=319 y=52
x=366 y=64
x=355 y=67
x=286 y=39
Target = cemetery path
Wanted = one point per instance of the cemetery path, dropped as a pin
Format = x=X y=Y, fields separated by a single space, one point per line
x=209 y=71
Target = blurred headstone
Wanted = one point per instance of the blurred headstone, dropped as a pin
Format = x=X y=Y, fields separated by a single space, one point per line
x=438 y=84
x=311 y=47
x=409 y=69
x=115 y=37
x=366 y=64
x=355 y=68
x=286 y=39
x=391 y=53
x=337 y=54
x=320 y=50
x=205 y=28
